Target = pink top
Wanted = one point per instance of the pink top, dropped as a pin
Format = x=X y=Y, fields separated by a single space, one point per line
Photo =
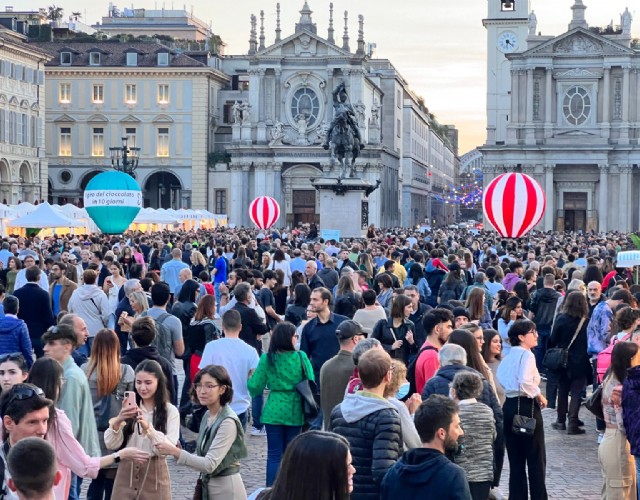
x=70 y=454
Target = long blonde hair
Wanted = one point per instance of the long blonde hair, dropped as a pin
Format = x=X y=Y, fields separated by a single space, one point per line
x=105 y=361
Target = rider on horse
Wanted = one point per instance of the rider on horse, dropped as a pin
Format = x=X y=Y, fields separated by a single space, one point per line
x=342 y=107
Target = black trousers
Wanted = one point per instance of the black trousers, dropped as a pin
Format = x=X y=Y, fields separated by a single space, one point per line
x=526 y=453
x=573 y=387
x=480 y=491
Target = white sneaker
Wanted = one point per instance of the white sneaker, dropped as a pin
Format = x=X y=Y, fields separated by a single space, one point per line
x=600 y=437
x=258 y=432
x=495 y=494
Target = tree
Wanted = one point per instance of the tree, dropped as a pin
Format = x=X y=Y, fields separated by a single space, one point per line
x=54 y=13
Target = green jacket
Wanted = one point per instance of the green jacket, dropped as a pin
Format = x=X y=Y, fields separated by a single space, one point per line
x=284 y=405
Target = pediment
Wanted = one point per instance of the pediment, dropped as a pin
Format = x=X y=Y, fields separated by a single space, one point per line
x=575 y=133
x=578 y=42
x=97 y=118
x=163 y=119
x=64 y=119
x=130 y=119
x=579 y=73
x=303 y=44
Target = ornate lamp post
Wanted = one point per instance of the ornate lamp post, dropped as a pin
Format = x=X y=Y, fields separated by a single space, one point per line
x=125 y=158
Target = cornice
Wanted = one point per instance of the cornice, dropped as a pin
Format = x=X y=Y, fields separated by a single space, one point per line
x=127 y=71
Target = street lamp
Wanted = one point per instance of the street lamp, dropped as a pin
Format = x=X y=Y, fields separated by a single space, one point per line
x=125 y=158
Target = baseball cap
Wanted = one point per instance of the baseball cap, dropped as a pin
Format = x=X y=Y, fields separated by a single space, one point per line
x=348 y=329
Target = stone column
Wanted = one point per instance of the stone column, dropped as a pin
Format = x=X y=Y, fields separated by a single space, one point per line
x=603 y=198
x=606 y=103
x=277 y=190
x=245 y=194
x=623 y=198
x=236 y=194
x=624 y=131
x=529 y=95
x=512 y=130
x=278 y=90
x=549 y=215
x=548 y=118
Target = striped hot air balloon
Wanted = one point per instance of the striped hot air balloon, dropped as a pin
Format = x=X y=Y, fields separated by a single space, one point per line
x=513 y=203
x=264 y=212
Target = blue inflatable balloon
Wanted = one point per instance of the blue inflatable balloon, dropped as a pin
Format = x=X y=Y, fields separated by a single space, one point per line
x=112 y=200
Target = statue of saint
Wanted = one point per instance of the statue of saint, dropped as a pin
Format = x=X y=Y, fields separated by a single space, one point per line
x=342 y=108
x=235 y=110
x=246 y=116
x=533 y=23
x=277 y=134
x=625 y=21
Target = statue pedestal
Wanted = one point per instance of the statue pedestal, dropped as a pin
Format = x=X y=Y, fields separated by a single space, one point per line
x=343 y=205
x=235 y=133
x=245 y=133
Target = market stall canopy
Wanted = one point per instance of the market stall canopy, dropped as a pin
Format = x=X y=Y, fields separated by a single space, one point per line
x=44 y=216
x=628 y=259
x=151 y=216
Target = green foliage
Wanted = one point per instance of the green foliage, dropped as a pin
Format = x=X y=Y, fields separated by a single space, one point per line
x=54 y=13
x=218 y=157
x=636 y=240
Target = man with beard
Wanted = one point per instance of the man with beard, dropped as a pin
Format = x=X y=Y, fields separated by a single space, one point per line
x=594 y=294
x=438 y=324
x=419 y=310
x=428 y=468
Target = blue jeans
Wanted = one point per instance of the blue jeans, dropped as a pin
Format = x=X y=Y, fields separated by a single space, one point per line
x=278 y=438
x=256 y=410
x=216 y=290
x=243 y=420
x=75 y=487
x=101 y=487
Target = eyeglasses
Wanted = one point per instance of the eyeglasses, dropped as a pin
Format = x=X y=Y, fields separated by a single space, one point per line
x=12 y=356
x=533 y=332
x=201 y=387
x=24 y=392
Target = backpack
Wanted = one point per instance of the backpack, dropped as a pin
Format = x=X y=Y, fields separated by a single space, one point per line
x=411 y=369
x=603 y=361
x=162 y=339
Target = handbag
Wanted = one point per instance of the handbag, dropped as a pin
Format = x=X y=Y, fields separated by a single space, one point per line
x=523 y=425
x=309 y=406
x=594 y=403
x=197 y=492
x=557 y=358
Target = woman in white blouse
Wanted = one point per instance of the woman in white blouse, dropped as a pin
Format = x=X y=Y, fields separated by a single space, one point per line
x=521 y=381
x=153 y=420
x=220 y=444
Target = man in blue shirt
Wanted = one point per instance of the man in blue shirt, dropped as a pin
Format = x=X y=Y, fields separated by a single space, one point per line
x=170 y=271
x=219 y=272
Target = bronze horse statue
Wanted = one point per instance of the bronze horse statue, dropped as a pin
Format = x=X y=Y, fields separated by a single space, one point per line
x=344 y=143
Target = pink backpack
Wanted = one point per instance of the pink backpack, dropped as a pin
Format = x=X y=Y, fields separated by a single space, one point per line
x=603 y=360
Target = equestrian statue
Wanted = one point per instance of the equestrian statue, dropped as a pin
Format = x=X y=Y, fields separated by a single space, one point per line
x=343 y=137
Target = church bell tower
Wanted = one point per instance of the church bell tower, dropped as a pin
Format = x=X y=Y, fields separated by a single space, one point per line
x=507 y=27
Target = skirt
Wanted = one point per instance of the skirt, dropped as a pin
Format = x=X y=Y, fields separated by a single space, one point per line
x=227 y=488
x=143 y=480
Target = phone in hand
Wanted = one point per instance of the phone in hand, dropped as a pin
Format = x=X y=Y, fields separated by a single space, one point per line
x=129 y=400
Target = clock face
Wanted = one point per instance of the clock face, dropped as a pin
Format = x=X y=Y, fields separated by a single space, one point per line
x=508 y=42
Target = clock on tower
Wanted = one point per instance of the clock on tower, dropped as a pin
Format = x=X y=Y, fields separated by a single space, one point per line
x=507 y=30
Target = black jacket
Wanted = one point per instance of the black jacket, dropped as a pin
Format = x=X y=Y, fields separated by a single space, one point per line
x=443 y=378
x=563 y=330
x=252 y=326
x=425 y=473
x=35 y=309
x=136 y=356
x=372 y=427
x=315 y=282
x=384 y=333
x=543 y=306
x=419 y=334
x=450 y=291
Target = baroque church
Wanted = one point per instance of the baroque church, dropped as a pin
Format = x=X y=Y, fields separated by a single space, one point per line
x=277 y=111
x=566 y=110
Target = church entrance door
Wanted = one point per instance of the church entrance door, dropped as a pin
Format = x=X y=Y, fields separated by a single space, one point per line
x=575 y=211
x=304 y=207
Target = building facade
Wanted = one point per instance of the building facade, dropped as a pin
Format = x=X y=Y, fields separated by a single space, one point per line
x=163 y=102
x=23 y=165
x=277 y=111
x=565 y=110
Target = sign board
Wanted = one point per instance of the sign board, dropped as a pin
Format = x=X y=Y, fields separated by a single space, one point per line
x=330 y=234
x=112 y=198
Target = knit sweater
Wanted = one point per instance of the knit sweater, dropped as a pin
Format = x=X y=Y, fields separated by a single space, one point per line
x=479 y=433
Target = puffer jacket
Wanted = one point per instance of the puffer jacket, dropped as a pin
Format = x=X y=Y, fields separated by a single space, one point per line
x=372 y=426
x=91 y=304
x=14 y=337
x=439 y=384
x=631 y=408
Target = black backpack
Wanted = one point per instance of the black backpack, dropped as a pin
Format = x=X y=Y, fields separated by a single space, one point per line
x=411 y=369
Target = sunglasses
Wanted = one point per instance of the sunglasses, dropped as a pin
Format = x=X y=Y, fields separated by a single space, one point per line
x=23 y=393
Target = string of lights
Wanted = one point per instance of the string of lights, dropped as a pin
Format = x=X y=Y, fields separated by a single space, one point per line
x=467 y=194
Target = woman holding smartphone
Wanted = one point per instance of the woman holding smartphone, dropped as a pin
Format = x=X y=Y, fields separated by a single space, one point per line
x=143 y=423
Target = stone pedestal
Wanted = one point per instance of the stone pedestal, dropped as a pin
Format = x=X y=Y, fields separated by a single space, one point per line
x=245 y=133
x=344 y=205
x=235 y=133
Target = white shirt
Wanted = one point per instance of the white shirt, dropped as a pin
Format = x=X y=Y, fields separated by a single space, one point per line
x=21 y=280
x=239 y=358
x=518 y=373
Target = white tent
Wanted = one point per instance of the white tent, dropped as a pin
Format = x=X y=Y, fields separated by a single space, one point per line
x=44 y=216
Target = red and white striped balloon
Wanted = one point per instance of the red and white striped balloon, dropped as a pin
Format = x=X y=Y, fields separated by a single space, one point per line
x=513 y=203
x=264 y=212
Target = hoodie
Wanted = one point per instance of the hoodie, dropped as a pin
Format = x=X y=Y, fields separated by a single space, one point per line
x=543 y=306
x=135 y=356
x=371 y=424
x=510 y=281
x=425 y=473
x=91 y=304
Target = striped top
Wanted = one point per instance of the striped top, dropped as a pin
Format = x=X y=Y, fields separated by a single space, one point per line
x=479 y=428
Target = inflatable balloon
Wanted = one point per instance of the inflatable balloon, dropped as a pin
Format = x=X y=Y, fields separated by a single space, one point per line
x=513 y=203
x=264 y=212
x=113 y=199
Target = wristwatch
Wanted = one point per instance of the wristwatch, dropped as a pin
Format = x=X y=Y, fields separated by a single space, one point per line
x=116 y=457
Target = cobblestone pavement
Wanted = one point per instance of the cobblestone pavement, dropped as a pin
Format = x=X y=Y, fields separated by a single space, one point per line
x=573 y=470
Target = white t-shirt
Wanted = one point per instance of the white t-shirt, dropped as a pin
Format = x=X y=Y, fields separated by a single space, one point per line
x=239 y=358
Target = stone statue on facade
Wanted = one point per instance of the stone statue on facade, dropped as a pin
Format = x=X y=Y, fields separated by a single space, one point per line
x=360 y=110
x=236 y=114
x=245 y=107
x=343 y=136
x=277 y=134
x=625 y=21
x=375 y=112
x=533 y=23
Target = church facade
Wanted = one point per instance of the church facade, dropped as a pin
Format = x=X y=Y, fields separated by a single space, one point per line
x=566 y=110
x=275 y=115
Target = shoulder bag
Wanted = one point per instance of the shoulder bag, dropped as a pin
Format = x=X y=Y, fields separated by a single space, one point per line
x=594 y=402
x=309 y=406
x=557 y=358
x=523 y=425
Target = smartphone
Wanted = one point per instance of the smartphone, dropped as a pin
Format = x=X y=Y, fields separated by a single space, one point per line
x=129 y=399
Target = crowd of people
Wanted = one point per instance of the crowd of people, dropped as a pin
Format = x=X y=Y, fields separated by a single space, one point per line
x=396 y=364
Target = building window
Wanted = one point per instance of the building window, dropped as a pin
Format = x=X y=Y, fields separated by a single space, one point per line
x=163 y=59
x=132 y=58
x=130 y=93
x=65 y=142
x=94 y=58
x=163 y=93
x=508 y=5
x=576 y=105
x=220 y=201
x=64 y=93
x=398 y=127
x=305 y=102
x=130 y=134
x=98 y=94
x=162 y=148
x=97 y=142
x=65 y=58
